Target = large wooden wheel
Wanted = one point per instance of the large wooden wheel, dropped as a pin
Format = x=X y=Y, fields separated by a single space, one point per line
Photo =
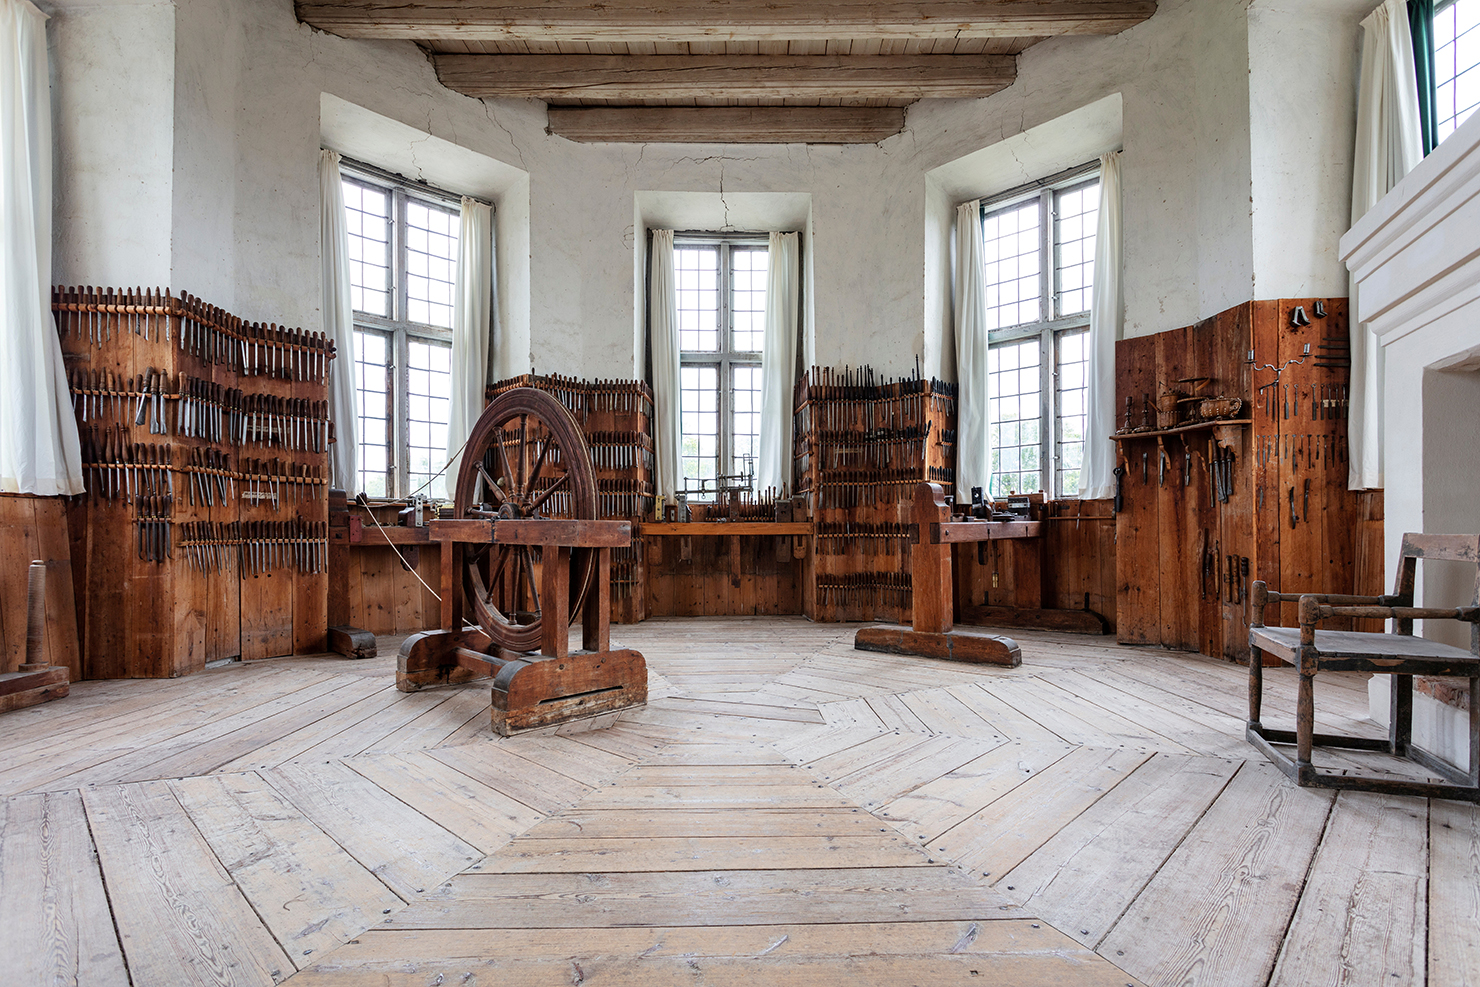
x=526 y=457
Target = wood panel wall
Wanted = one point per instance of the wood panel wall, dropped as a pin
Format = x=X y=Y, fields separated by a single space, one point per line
x=1072 y=567
x=36 y=528
x=722 y=576
x=1186 y=559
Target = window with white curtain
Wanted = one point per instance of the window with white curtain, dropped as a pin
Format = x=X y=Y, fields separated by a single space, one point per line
x=1039 y=258
x=721 y=283
x=1456 y=63
x=403 y=280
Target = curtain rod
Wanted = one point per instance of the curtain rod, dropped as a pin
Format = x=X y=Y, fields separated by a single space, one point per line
x=1063 y=176
x=418 y=184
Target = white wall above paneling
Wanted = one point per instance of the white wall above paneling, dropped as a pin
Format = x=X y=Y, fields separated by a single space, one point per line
x=219 y=183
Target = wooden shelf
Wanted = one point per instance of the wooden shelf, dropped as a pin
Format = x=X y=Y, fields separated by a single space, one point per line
x=1194 y=427
x=778 y=528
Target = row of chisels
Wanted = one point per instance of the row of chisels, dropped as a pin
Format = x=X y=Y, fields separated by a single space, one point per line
x=152 y=526
x=867 y=589
x=116 y=468
x=95 y=316
x=865 y=538
x=202 y=409
x=585 y=397
x=256 y=547
x=1323 y=402
x=866 y=488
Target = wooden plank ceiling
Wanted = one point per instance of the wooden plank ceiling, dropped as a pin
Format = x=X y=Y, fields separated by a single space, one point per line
x=789 y=71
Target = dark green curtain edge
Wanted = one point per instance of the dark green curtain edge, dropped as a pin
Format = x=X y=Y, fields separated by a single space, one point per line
x=1421 y=26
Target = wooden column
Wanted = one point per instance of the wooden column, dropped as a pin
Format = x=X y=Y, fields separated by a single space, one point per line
x=555 y=601
x=595 y=630
x=931 y=562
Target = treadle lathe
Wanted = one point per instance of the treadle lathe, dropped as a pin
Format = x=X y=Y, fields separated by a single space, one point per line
x=525 y=554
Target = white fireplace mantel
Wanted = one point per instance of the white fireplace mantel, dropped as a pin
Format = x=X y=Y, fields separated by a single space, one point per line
x=1415 y=256
x=1415 y=265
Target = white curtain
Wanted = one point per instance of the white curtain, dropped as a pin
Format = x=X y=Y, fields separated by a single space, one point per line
x=1096 y=476
x=471 y=328
x=339 y=326
x=973 y=457
x=1389 y=144
x=778 y=362
x=39 y=450
x=663 y=328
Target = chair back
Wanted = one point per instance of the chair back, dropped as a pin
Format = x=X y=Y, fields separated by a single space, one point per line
x=1445 y=548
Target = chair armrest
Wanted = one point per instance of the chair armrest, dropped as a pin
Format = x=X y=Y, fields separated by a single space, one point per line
x=1261 y=595
x=1468 y=614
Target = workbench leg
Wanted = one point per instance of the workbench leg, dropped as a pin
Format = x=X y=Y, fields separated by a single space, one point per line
x=931 y=563
x=451 y=558
x=596 y=634
x=555 y=601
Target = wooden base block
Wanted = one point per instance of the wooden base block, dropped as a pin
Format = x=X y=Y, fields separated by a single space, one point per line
x=430 y=658
x=535 y=691
x=961 y=644
x=352 y=642
x=21 y=689
x=1072 y=621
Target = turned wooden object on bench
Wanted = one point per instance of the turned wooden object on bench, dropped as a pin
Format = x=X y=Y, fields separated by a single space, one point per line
x=34 y=681
x=933 y=633
x=1399 y=654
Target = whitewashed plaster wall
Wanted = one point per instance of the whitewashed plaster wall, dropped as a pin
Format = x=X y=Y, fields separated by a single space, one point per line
x=113 y=78
x=1304 y=60
x=241 y=140
x=1416 y=259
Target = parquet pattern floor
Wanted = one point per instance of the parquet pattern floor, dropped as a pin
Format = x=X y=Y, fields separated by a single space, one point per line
x=784 y=810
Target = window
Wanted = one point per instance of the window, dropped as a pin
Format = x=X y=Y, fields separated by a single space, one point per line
x=721 y=332
x=403 y=278
x=1456 y=63
x=1039 y=256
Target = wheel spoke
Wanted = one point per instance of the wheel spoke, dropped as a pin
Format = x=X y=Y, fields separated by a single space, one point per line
x=528 y=568
x=503 y=456
x=548 y=491
x=523 y=443
x=488 y=482
x=527 y=491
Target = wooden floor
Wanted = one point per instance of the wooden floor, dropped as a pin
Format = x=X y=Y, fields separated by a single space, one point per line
x=785 y=810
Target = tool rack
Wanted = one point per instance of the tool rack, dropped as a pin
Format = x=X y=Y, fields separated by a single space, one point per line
x=862 y=443
x=203 y=532
x=616 y=417
x=1210 y=506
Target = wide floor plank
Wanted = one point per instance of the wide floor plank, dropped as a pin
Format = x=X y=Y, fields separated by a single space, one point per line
x=1217 y=911
x=401 y=846
x=53 y=909
x=1454 y=894
x=311 y=894
x=1365 y=897
x=180 y=916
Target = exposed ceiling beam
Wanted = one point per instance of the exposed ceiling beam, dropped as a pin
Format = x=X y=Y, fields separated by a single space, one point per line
x=718 y=20
x=726 y=124
x=639 y=77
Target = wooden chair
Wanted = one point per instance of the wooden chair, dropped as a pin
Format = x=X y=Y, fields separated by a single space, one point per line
x=1398 y=654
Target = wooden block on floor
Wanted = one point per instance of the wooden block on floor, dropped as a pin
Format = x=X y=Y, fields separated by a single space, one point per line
x=962 y=644
x=352 y=642
x=554 y=690
x=21 y=689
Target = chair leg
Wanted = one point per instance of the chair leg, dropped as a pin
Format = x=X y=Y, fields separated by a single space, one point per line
x=1475 y=731
x=1256 y=685
x=1305 y=721
x=1400 y=715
